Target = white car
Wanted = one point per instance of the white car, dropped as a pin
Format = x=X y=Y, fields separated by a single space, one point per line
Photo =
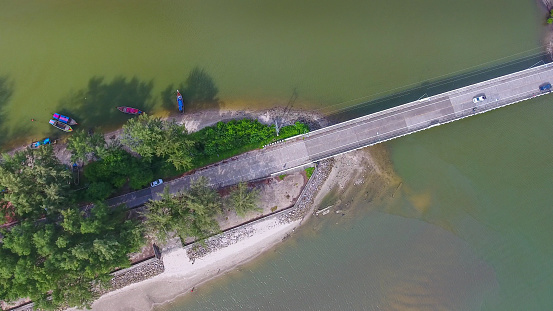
x=479 y=98
x=156 y=182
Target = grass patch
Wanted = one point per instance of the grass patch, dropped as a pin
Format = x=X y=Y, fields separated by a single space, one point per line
x=309 y=171
x=281 y=177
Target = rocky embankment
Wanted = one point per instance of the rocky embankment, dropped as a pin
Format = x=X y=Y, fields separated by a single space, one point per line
x=301 y=208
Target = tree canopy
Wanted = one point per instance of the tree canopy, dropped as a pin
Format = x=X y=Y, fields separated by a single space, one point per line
x=56 y=264
x=84 y=146
x=115 y=169
x=34 y=183
x=189 y=213
x=55 y=253
x=150 y=136
x=244 y=200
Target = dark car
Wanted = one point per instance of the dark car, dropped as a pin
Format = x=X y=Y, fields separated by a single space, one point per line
x=545 y=87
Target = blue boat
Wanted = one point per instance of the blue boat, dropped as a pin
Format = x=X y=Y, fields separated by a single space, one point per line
x=64 y=119
x=37 y=144
x=180 y=102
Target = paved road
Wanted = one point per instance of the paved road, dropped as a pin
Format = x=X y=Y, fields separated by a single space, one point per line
x=364 y=131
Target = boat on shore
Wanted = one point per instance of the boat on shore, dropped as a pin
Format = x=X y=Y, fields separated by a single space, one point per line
x=64 y=119
x=61 y=126
x=180 y=102
x=37 y=144
x=130 y=110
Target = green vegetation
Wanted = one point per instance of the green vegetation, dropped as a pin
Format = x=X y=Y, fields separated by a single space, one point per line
x=293 y=130
x=281 y=177
x=84 y=146
x=35 y=183
x=61 y=256
x=56 y=254
x=244 y=200
x=225 y=140
x=309 y=171
x=114 y=170
x=550 y=19
x=149 y=136
x=187 y=214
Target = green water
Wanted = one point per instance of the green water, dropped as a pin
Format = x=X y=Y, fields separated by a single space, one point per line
x=84 y=58
x=470 y=229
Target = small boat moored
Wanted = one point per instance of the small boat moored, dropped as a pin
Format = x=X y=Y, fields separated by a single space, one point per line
x=129 y=110
x=37 y=144
x=64 y=119
x=180 y=102
x=61 y=126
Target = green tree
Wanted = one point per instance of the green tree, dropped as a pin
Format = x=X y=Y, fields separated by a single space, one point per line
x=98 y=191
x=117 y=167
x=34 y=183
x=57 y=264
x=189 y=213
x=144 y=135
x=84 y=146
x=204 y=203
x=150 y=136
x=244 y=200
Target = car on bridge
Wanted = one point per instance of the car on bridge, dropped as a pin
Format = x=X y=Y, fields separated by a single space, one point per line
x=546 y=87
x=478 y=98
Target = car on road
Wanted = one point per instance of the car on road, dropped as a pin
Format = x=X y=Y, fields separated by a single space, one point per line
x=478 y=98
x=545 y=87
x=156 y=182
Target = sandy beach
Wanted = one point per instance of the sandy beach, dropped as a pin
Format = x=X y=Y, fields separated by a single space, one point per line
x=181 y=275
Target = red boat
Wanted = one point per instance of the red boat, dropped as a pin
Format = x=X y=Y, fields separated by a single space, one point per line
x=130 y=110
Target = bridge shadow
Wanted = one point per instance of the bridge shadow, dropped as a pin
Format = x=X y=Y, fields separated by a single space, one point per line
x=198 y=90
x=96 y=105
x=430 y=88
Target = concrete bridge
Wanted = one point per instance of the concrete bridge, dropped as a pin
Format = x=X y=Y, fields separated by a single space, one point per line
x=364 y=131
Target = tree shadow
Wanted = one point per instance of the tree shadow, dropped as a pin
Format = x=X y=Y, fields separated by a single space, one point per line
x=6 y=92
x=10 y=136
x=198 y=91
x=96 y=105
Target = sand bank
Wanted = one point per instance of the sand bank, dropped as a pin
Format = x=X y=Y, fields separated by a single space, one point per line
x=181 y=274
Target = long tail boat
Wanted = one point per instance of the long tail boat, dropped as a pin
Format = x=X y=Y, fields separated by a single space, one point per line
x=130 y=110
x=37 y=144
x=64 y=119
x=180 y=102
x=61 y=126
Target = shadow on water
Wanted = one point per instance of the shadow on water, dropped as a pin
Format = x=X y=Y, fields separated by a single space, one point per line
x=198 y=91
x=430 y=88
x=6 y=92
x=96 y=105
x=9 y=135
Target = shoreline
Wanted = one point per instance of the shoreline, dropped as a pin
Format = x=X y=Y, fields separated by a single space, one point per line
x=197 y=120
x=181 y=274
x=184 y=270
x=192 y=265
